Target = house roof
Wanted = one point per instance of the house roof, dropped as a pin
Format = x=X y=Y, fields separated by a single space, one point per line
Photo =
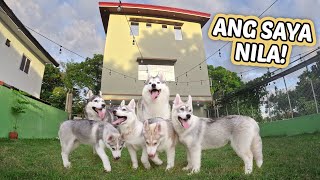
x=107 y=8
x=25 y=31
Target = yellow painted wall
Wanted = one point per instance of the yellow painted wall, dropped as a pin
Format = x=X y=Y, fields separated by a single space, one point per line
x=155 y=42
x=10 y=62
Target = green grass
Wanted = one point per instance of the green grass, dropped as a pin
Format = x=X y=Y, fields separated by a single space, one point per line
x=296 y=157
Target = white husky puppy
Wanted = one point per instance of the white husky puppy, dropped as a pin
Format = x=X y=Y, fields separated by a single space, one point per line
x=155 y=99
x=95 y=108
x=203 y=133
x=160 y=136
x=131 y=130
x=95 y=133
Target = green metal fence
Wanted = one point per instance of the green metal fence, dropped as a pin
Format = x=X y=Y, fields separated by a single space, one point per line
x=39 y=120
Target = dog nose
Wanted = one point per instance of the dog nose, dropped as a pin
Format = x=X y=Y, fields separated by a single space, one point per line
x=103 y=105
x=188 y=116
x=153 y=85
x=117 y=158
x=151 y=155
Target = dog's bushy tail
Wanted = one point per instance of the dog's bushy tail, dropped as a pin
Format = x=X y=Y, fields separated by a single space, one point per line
x=256 y=148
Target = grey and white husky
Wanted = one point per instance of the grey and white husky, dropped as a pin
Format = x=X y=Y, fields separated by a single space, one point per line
x=131 y=130
x=95 y=108
x=95 y=133
x=155 y=99
x=160 y=136
x=203 y=133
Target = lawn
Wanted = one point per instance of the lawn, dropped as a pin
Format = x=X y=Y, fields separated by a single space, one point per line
x=295 y=157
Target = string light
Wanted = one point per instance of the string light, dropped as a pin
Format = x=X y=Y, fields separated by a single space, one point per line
x=133 y=42
x=219 y=53
x=119 y=8
x=110 y=72
x=200 y=66
x=60 y=50
x=186 y=74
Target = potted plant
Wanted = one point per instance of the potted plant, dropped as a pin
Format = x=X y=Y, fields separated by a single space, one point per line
x=17 y=109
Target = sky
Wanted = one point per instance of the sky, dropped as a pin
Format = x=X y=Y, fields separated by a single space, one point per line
x=76 y=24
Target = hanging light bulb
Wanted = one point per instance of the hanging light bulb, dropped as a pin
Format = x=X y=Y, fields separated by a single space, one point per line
x=219 y=53
x=133 y=42
x=110 y=72
x=60 y=50
x=200 y=66
x=119 y=8
x=186 y=74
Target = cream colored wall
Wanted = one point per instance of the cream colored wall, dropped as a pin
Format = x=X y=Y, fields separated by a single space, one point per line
x=10 y=58
x=121 y=55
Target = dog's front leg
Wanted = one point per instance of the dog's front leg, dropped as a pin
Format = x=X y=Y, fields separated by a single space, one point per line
x=144 y=158
x=195 y=155
x=189 y=165
x=133 y=156
x=104 y=157
x=170 y=157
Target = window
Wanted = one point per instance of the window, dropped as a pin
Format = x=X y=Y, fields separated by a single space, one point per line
x=8 y=42
x=164 y=26
x=134 y=29
x=177 y=33
x=25 y=64
x=153 y=70
x=148 y=25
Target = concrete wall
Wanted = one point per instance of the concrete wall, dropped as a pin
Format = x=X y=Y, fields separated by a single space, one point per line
x=10 y=58
x=39 y=121
x=155 y=42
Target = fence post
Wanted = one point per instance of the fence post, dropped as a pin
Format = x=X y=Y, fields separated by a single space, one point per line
x=227 y=109
x=285 y=84
x=238 y=106
x=314 y=94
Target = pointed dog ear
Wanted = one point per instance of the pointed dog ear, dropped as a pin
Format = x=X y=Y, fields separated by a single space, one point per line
x=123 y=103
x=89 y=94
x=100 y=93
x=132 y=104
x=110 y=138
x=161 y=76
x=146 y=125
x=158 y=128
x=189 y=101
x=177 y=100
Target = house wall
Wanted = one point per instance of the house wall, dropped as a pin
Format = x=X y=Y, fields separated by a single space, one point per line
x=155 y=42
x=11 y=57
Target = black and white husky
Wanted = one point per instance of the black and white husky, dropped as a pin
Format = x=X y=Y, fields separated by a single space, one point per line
x=95 y=133
x=202 y=133
x=95 y=108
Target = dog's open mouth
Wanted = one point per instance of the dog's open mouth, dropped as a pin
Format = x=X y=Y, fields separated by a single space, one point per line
x=120 y=120
x=155 y=93
x=100 y=111
x=183 y=122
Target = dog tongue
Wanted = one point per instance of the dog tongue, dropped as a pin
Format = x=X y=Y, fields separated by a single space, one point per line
x=185 y=124
x=118 y=121
x=154 y=94
x=101 y=113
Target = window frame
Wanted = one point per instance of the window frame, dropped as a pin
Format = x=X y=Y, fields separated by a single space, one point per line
x=178 y=29
x=25 y=64
x=134 y=29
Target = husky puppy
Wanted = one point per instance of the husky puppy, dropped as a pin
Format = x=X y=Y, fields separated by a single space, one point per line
x=131 y=130
x=203 y=133
x=160 y=136
x=155 y=99
x=95 y=133
x=95 y=108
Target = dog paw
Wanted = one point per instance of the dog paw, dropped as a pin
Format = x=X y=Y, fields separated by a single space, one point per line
x=158 y=162
x=169 y=167
x=107 y=171
x=135 y=166
x=67 y=165
x=248 y=171
x=194 y=171
x=186 y=168
x=147 y=165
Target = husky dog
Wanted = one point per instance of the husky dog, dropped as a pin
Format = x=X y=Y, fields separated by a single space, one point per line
x=96 y=133
x=203 y=133
x=95 y=108
x=155 y=99
x=160 y=136
x=131 y=130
